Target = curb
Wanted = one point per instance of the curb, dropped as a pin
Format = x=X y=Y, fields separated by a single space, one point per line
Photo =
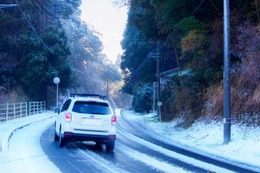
x=9 y=133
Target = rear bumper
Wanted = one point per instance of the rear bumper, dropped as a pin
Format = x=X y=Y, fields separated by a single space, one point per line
x=69 y=136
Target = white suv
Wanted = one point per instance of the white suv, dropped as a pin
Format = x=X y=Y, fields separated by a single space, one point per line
x=86 y=117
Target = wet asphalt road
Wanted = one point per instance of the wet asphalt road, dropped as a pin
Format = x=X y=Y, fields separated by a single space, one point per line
x=130 y=154
x=137 y=150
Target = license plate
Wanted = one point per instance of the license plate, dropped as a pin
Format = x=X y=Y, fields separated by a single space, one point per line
x=91 y=121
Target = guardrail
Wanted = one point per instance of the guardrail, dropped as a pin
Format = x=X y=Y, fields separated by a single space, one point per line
x=36 y=107
x=9 y=111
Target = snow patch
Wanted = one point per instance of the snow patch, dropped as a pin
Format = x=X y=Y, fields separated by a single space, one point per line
x=208 y=137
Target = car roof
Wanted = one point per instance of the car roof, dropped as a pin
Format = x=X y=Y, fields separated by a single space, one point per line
x=88 y=97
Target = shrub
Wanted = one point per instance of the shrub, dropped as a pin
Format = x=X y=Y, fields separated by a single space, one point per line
x=142 y=99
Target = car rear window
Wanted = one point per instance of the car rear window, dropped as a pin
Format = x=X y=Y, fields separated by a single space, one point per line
x=91 y=108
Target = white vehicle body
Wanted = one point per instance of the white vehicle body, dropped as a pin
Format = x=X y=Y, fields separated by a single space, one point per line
x=86 y=118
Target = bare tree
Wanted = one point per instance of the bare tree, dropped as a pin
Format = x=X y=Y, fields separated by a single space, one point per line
x=121 y=3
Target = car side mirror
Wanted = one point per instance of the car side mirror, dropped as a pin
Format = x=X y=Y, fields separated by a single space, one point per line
x=57 y=110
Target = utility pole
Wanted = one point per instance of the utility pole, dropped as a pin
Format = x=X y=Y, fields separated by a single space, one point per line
x=158 y=81
x=227 y=112
x=154 y=96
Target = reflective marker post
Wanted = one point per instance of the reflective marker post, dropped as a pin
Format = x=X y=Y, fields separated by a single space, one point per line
x=159 y=107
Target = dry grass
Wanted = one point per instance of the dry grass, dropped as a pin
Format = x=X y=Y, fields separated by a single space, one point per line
x=245 y=93
x=12 y=96
x=256 y=96
x=215 y=96
x=245 y=82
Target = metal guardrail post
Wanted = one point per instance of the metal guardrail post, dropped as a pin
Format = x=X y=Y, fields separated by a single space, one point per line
x=21 y=109
x=14 y=106
x=44 y=106
x=30 y=107
x=37 y=107
x=7 y=112
x=26 y=110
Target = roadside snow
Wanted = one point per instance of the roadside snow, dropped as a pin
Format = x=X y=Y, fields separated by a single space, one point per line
x=207 y=137
x=153 y=162
x=164 y=166
x=25 y=153
x=244 y=146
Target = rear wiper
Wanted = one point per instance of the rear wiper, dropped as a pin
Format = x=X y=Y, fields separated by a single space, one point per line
x=99 y=113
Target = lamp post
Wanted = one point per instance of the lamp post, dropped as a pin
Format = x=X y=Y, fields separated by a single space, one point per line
x=56 y=80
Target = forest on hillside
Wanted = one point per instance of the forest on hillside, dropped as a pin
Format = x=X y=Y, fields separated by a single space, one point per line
x=42 y=39
x=189 y=37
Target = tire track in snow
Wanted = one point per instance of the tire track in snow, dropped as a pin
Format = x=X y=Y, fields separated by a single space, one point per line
x=99 y=160
x=153 y=162
x=169 y=153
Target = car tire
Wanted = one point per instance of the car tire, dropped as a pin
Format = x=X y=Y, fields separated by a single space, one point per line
x=61 y=140
x=56 y=137
x=110 y=145
x=98 y=146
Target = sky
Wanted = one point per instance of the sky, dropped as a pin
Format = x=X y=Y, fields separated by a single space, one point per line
x=109 y=21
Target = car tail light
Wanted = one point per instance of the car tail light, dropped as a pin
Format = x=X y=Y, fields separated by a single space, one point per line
x=113 y=120
x=68 y=117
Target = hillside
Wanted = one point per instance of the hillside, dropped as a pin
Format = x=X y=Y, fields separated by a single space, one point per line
x=42 y=39
x=188 y=36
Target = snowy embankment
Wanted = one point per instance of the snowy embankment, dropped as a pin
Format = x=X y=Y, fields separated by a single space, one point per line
x=244 y=146
x=25 y=153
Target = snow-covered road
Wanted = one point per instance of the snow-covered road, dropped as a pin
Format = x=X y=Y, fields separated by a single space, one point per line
x=26 y=155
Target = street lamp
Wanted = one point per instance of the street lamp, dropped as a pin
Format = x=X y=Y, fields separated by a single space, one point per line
x=56 y=80
x=7 y=5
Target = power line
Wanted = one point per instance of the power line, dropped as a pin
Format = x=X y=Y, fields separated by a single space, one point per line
x=33 y=29
x=47 y=10
x=43 y=8
x=42 y=5
x=201 y=2
x=141 y=65
x=150 y=55
x=39 y=7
